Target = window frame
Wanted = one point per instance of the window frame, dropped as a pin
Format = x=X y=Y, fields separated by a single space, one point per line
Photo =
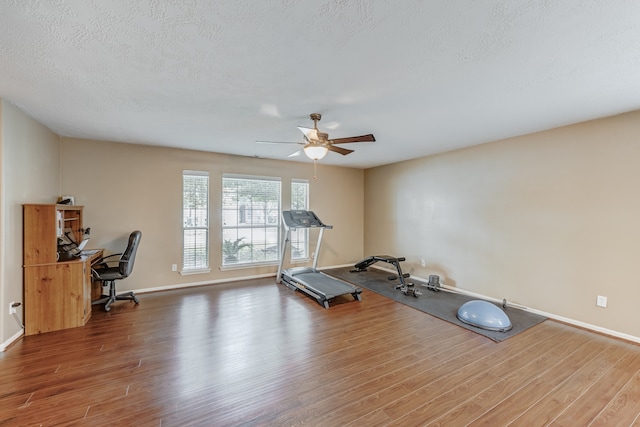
x=299 y=236
x=267 y=227
x=195 y=267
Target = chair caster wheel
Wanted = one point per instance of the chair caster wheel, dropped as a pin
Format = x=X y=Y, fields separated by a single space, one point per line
x=136 y=301
x=107 y=308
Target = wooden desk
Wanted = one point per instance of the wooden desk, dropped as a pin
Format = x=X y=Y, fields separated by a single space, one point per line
x=57 y=295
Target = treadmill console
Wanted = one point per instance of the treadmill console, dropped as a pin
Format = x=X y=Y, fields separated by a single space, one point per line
x=301 y=219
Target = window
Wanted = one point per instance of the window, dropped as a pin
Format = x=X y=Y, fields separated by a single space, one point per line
x=195 y=220
x=250 y=220
x=300 y=237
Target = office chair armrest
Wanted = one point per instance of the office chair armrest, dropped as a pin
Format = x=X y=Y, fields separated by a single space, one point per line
x=104 y=261
x=108 y=256
x=95 y=272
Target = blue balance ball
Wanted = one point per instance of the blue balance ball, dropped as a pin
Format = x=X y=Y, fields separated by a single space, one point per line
x=485 y=315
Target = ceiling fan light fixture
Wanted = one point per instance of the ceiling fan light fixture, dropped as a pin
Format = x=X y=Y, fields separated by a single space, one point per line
x=315 y=151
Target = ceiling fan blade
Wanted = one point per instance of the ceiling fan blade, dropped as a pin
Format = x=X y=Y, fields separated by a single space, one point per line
x=340 y=150
x=309 y=133
x=296 y=154
x=279 y=142
x=362 y=138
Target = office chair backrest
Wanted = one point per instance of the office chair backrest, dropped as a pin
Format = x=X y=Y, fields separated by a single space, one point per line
x=129 y=255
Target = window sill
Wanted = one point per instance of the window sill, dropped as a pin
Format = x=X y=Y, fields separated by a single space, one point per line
x=248 y=265
x=194 y=271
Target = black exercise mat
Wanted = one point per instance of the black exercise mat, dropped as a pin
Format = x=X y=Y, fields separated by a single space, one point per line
x=443 y=305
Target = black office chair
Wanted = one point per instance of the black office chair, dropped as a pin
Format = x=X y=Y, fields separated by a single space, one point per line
x=108 y=274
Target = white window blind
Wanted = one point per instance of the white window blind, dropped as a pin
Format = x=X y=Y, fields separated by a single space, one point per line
x=250 y=220
x=195 y=220
x=300 y=237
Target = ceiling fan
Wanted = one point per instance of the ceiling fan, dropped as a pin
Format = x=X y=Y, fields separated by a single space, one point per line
x=317 y=144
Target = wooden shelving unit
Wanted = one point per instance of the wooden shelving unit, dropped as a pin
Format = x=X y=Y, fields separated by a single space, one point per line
x=57 y=294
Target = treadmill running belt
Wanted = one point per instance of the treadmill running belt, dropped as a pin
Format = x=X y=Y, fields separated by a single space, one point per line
x=325 y=285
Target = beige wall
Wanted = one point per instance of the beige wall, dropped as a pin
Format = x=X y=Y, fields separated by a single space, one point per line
x=125 y=187
x=30 y=174
x=548 y=220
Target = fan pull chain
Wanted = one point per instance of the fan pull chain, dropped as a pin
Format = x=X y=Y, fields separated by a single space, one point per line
x=315 y=169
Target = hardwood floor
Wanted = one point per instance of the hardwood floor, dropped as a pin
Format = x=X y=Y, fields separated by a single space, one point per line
x=254 y=353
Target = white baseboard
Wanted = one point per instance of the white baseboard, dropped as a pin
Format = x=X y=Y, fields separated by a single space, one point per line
x=562 y=319
x=5 y=345
x=202 y=283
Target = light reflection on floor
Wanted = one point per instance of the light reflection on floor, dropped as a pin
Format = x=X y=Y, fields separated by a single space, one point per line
x=236 y=318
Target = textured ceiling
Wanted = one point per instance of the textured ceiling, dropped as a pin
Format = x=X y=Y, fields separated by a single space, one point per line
x=422 y=76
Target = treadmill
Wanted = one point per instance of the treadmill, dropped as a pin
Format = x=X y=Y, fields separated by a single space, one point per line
x=310 y=280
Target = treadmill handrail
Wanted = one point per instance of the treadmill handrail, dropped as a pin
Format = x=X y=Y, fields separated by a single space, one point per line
x=289 y=224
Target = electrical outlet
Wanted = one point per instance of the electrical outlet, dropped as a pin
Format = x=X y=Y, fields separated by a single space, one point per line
x=174 y=267
x=601 y=301
x=423 y=262
x=12 y=307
